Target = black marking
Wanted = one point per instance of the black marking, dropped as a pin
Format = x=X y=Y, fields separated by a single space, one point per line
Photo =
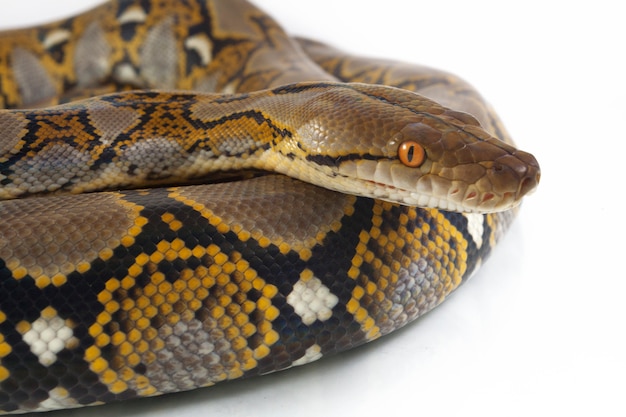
x=257 y=116
x=76 y=300
x=330 y=161
x=128 y=30
x=330 y=262
x=474 y=253
x=194 y=60
x=300 y=87
x=231 y=98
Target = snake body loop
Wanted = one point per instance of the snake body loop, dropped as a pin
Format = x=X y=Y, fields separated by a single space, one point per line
x=230 y=202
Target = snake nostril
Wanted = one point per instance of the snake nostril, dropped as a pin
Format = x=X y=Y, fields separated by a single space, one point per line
x=530 y=182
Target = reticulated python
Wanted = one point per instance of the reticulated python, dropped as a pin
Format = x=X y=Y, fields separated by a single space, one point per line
x=124 y=273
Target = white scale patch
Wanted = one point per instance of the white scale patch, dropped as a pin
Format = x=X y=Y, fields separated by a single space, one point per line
x=311 y=299
x=476 y=227
x=125 y=73
x=133 y=15
x=57 y=398
x=312 y=354
x=202 y=46
x=56 y=37
x=48 y=335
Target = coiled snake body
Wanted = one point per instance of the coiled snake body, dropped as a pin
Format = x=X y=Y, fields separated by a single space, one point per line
x=335 y=213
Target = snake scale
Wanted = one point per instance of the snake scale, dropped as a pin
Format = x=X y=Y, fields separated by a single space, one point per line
x=190 y=196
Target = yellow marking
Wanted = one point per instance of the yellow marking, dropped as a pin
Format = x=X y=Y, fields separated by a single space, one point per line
x=272 y=313
x=353 y=272
x=128 y=241
x=4 y=373
x=184 y=253
x=177 y=244
x=106 y=254
x=118 y=338
x=99 y=366
x=127 y=283
x=360 y=315
x=23 y=326
x=258 y=284
x=358 y=293
x=104 y=297
x=261 y=352
x=269 y=291
x=491 y=219
x=449 y=265
x=5 y=348
x=353 y=305
x=284 y=248
x=125 y=349
x=243 y=235
x=270 y=338
x=83 y=267
x=42 y=281
x=103 y=318
x=102 y=339
x=177 y=302
x=306 y=275
x=142 y=259
x=134 y=270
x=305 y=254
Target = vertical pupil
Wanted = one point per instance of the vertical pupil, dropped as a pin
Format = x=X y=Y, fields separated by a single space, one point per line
x=410 y=154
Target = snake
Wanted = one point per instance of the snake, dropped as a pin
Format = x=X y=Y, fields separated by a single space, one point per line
x=189 y=195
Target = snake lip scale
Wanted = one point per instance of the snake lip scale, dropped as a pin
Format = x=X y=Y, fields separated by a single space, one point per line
x=188 y=195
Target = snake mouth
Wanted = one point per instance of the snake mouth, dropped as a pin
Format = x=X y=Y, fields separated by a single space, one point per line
x=482 y=197
x=397 y=195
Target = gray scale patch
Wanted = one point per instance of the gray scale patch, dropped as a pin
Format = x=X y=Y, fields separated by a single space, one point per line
x=91 y=61
x=159 y=56
x=412 y=296
x=48 y=176
x=191 y=357
x=33 y=80
x=152 y=158
x=112 y=121
x=13 y=128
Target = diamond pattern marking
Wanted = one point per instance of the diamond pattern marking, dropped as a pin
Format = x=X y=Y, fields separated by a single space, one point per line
x=48 y=335
x=311 y=299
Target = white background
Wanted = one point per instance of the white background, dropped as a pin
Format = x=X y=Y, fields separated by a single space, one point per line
x=541 y=329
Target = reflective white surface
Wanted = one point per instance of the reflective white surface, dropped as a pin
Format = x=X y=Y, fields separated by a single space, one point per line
x=540 y=330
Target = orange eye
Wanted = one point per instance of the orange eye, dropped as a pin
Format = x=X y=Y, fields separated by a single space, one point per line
x=411 y=154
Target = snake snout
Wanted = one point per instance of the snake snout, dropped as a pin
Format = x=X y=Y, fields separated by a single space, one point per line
x=531 y=174
x=521 y=173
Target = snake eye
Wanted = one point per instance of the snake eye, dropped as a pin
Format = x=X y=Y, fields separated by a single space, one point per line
x=411 y=154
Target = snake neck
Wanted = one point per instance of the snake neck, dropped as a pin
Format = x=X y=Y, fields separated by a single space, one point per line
x=322 y=133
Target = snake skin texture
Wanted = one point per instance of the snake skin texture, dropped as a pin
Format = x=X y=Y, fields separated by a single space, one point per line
x=165 y=277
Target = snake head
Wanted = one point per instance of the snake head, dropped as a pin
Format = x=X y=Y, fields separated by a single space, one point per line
x=395 y=145
x=453 y=164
